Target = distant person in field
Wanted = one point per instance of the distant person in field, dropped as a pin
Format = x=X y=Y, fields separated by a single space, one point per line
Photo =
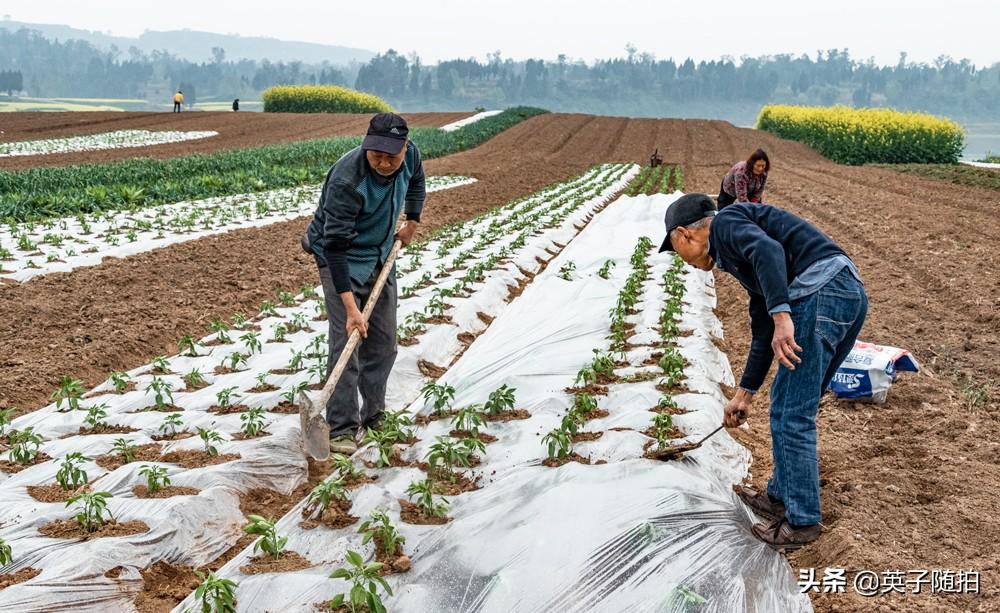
x=178 y=101
x=807 y=306
x=745 y=180
x=236 y=104
x=350 y=236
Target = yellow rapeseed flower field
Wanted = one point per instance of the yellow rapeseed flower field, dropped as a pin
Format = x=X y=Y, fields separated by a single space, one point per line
x=861 y=136
x=321 y=99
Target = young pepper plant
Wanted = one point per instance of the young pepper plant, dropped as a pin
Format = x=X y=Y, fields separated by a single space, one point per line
x=365 y=581
x=70 y=476
x=215 y=594
x=269 y=541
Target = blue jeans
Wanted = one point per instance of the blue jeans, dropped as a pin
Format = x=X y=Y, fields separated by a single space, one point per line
x=826 y=325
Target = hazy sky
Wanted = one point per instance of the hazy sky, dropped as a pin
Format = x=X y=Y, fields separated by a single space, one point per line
x=584 y=29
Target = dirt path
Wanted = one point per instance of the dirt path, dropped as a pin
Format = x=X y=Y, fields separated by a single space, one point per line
x=236 y=130
x=913 y=484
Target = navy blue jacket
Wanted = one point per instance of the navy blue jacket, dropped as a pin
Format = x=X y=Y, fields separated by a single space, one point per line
x=765 y=248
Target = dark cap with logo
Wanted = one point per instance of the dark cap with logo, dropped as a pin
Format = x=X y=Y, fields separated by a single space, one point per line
x=685 y=211
x=386 y=133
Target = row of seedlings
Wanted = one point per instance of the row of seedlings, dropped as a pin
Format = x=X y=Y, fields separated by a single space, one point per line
x=28 y=249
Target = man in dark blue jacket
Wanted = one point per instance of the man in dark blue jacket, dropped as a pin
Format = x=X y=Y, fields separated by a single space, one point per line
x=351 y=236
x=807 y=306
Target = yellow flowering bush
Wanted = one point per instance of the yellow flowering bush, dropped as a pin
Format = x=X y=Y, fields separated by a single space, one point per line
x=321 y=99
x=862 y=136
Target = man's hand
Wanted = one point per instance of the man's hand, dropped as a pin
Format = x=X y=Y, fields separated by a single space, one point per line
x=355 y=321
x=406 y=231
x=783 y=342
x=738 y=409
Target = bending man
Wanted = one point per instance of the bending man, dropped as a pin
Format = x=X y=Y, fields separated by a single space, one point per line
x=807 y=306
x=350 y=236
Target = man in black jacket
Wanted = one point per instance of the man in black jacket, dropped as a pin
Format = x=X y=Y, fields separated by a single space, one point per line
x=807 y=306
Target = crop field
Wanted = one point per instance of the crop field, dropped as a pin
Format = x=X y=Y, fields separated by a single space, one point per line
x=120 y=139
x=151 y=456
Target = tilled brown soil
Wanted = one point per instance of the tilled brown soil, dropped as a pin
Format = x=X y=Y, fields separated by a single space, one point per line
x=236 y=131
x=913 y=484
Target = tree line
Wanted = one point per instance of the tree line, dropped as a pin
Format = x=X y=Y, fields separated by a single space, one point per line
x=635 y=84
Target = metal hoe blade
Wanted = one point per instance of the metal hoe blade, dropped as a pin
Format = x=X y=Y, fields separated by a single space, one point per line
x=315 y=430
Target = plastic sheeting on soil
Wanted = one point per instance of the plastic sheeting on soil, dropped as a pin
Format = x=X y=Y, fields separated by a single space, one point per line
x=60 y=245
x=193 y=530
x=616 y=536
x=120 y=139
x=461 y=123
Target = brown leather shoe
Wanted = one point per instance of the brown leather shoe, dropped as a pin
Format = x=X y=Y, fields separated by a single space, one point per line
x=781 y=536
x=760 y=502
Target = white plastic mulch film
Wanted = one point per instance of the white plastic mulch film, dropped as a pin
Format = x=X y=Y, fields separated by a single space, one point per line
x=259 y=371
x=623 y=533
x=461 y=123
x=31 y=249
x=120 y=139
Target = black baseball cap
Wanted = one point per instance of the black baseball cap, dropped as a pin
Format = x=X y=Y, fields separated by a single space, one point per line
x=686 y=210
x=386 y=133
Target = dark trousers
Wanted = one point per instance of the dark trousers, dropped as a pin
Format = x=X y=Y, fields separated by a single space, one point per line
x=826 y=325
x=724 y=199
x=177 y=107
x=368 y=369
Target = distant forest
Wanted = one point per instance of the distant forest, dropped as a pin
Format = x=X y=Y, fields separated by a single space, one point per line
x=636 y=84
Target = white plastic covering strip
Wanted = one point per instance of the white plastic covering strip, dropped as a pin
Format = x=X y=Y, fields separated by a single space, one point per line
x=120 y=139
x=195 y=529
x=60 y=245
x=451 y=127
x=982 y=164
x=616 y=536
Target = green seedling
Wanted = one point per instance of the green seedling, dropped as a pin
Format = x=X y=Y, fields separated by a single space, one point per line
x=566 y=270
x=318 y=371
x=93 y=509
x=384 y=441
x=325 y=493
x=251 y=342
x=470 y=420
x=253 y=421
x=603 y=364
x=208 y=437
x=6 y=553
x=286 y=298
x=295 y=364
x=162 y=390
x=70 y=476
x=269 y=541
x=24 y=445
x=125 y=449
x=422 y=493
x=96 y=416
x=279 y=332
x=239 y=321
x=70 y=390
x=663 y=423
x=234 y=360
x=440 y=395
x=267 y=309
x=6 y=416
x=119 y=380
x=194 y=379
x=379 y=527
x=558 y=443
x=365 y=581
x=171 y=425
x=293 y=393
x=309 y=292
x=156 y=477
x=215 y=594
x=605 y=270
x=161 y=365
x=500 y=400
x=450 y=453
x=187 y=346
x=224 y=397
x=299 y=322
x=221 y=331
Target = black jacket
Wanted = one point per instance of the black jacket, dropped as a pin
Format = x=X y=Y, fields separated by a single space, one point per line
x=765 y=248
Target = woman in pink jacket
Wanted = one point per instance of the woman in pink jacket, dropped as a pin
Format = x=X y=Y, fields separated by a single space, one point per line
x=745 y=180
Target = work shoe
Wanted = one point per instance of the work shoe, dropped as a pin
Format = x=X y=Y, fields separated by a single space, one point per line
x=760 y=502
x=782 y=536
x=344 y=444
